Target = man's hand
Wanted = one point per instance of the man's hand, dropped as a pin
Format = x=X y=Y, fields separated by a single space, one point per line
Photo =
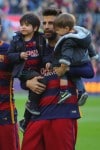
x=35 y=86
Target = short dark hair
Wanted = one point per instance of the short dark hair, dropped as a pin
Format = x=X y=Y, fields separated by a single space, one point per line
x=51 y=12
x=30 y=18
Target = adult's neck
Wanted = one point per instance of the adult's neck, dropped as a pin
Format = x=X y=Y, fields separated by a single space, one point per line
x=52 y=42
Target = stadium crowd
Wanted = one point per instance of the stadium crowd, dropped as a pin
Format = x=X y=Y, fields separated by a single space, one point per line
x=73 y=6
x=87 y=13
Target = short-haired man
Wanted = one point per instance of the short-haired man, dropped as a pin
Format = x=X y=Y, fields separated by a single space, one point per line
x=56 y=127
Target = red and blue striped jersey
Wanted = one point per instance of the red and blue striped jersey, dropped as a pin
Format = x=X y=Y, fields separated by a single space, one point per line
x=49 y=108
x=33 y=62
x=8 y=112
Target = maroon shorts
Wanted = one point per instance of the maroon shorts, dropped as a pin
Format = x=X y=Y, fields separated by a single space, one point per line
x=9 y=139
x=58 y=134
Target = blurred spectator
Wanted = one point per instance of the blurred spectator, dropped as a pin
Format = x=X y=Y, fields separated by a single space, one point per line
x=80 y=6
x=14 y=6
x=26 y=5
x=94 y=6
x=4 y=6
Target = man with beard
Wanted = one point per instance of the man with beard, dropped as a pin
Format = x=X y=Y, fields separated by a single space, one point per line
x=56 y=126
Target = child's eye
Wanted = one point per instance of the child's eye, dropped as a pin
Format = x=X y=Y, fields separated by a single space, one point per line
x=25 y=23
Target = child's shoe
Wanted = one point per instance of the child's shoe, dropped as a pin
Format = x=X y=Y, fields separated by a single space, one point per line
x=32 y=109
x=63 y=96
x=82 y=97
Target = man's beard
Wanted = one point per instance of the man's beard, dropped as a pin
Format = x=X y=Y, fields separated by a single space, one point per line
x=52 y=36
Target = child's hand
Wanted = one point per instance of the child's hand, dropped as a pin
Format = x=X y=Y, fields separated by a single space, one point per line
x=48 y=66
x=24 y=55
x=60 y=71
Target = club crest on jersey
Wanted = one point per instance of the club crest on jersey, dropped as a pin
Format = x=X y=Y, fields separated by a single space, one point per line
x=1 y=58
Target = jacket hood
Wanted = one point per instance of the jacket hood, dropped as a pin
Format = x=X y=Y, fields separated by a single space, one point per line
x=82 y=37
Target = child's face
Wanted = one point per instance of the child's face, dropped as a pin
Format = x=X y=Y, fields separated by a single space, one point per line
x=61 y=30
x=27 y=29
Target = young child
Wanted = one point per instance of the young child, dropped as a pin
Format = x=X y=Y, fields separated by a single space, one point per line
x=72 y=52
x=26 y=51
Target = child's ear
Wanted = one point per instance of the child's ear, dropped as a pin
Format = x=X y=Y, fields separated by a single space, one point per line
x=67 y=29
x=35 y=28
